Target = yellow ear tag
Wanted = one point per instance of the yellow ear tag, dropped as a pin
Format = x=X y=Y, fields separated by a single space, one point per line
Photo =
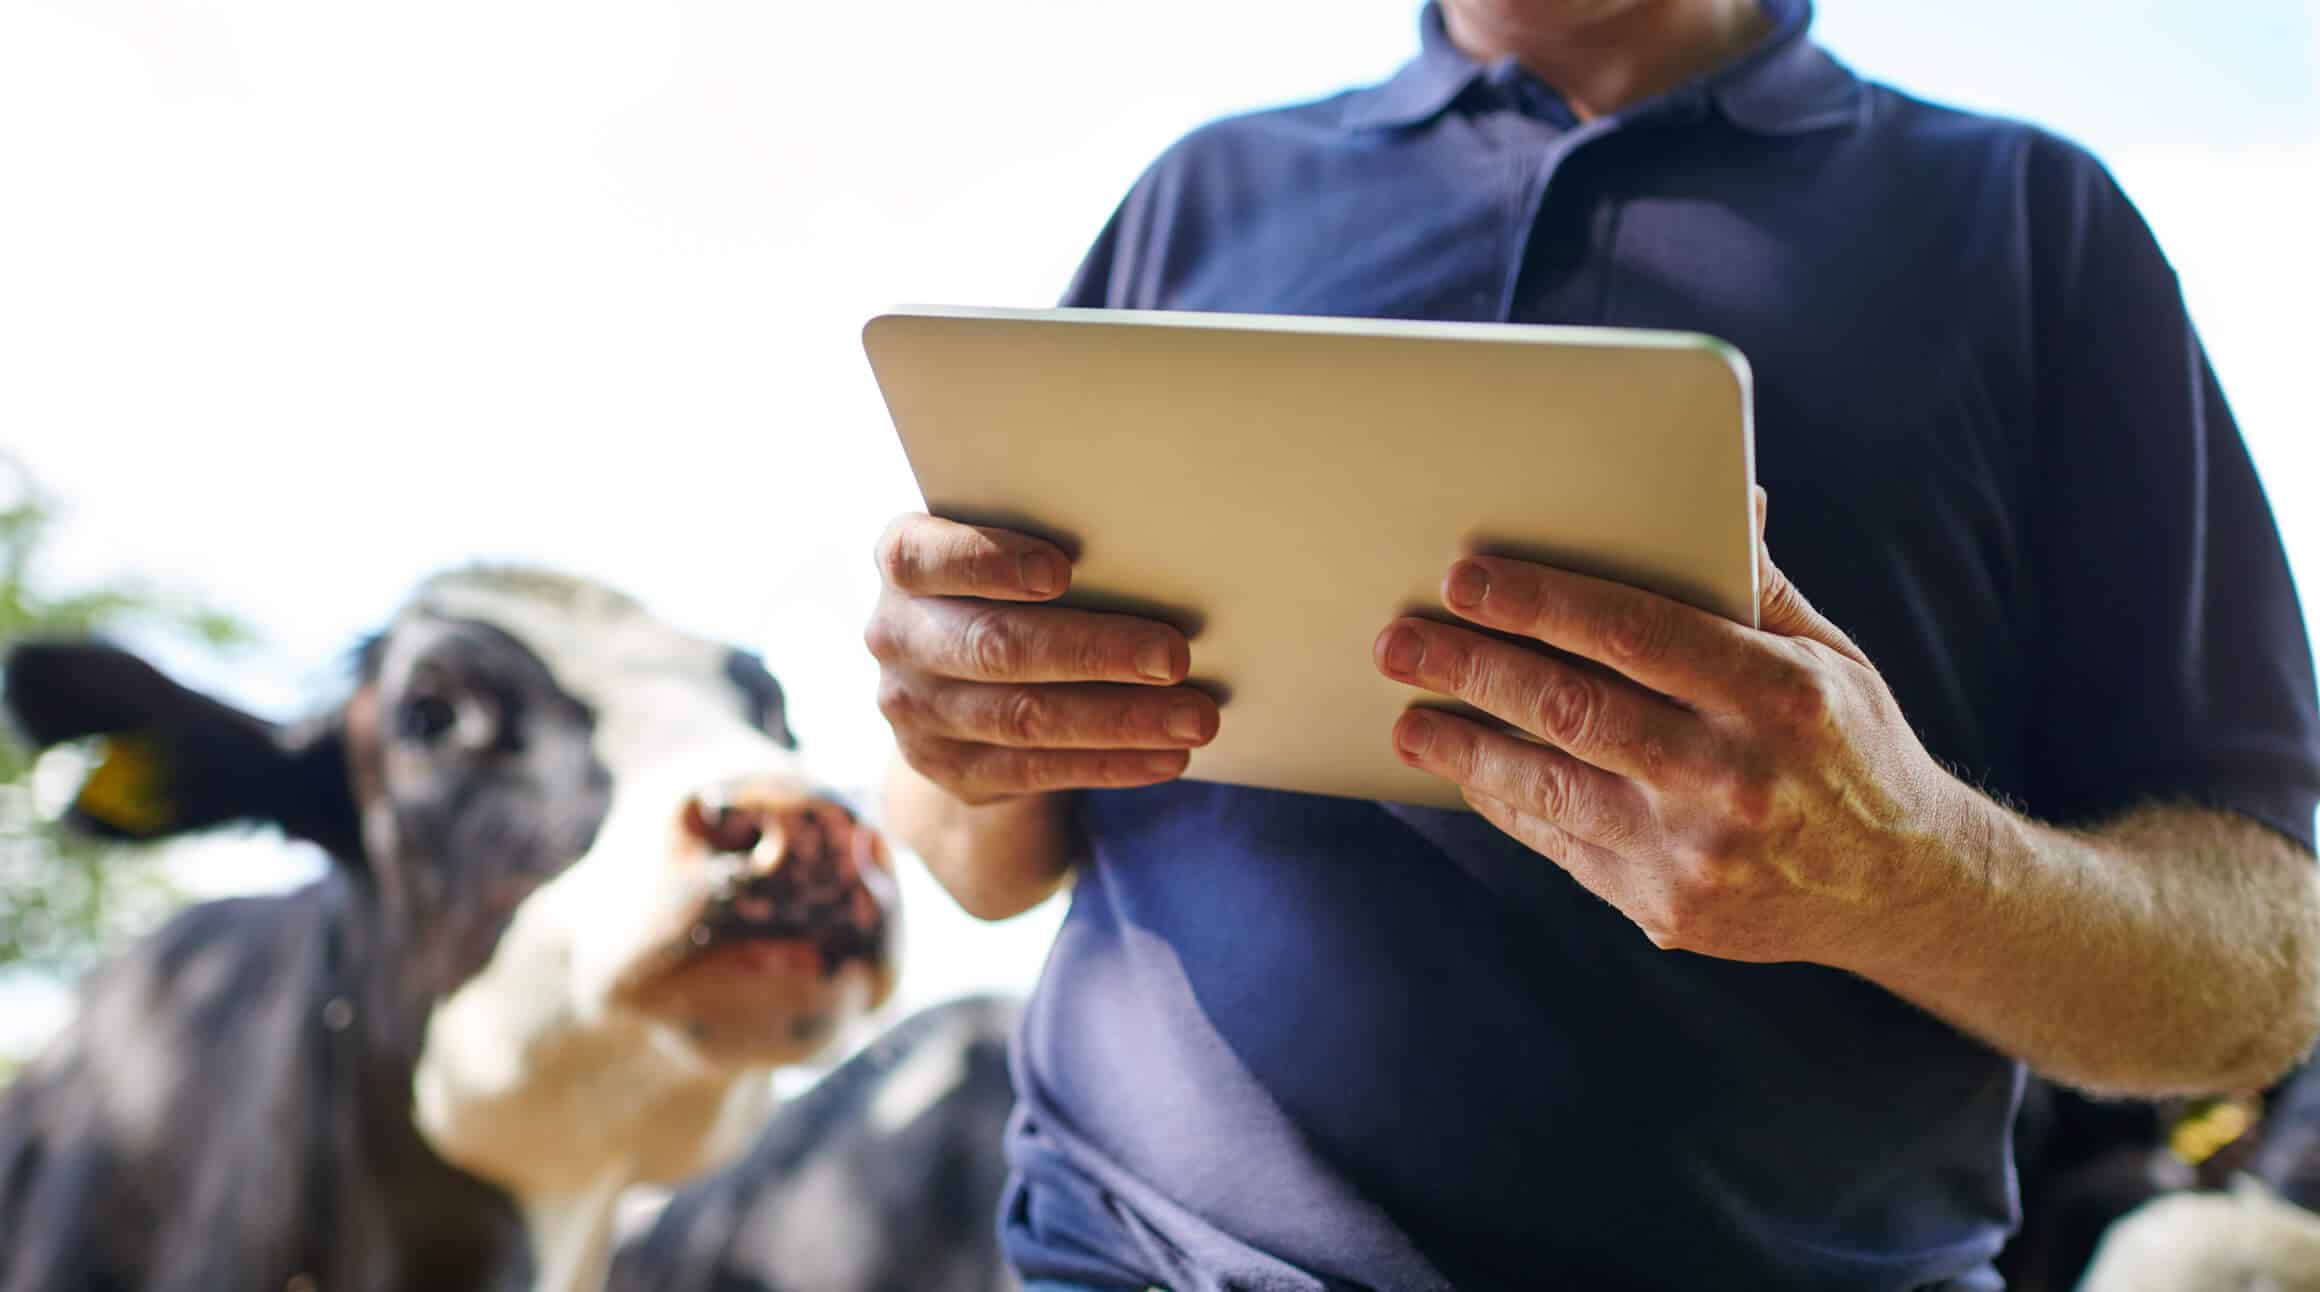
x=2209 y=1127
x=126 y=790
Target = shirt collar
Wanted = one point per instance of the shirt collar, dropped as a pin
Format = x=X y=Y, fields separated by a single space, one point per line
x=1786 y=85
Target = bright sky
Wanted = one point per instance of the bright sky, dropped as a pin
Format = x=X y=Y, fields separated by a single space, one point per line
x=299 y=302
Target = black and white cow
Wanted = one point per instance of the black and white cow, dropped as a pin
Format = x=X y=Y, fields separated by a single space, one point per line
x=582 y=897
x=884 y=1177
x=2170 y=1196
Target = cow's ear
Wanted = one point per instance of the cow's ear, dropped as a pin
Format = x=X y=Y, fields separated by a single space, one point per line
x=172 y=760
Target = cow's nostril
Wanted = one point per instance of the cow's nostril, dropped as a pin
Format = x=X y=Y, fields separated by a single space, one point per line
x=813 y=874
x=723 y=827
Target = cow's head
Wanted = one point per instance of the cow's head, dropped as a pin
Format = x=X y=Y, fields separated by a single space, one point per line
x=595 y=883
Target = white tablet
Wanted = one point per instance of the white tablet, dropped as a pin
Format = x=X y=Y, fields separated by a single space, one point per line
x=1283 y=487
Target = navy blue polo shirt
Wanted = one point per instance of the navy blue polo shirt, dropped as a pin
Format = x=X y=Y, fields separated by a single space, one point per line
x=1287 y=1042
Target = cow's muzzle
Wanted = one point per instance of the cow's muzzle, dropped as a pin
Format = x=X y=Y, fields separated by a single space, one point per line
x=790 y=867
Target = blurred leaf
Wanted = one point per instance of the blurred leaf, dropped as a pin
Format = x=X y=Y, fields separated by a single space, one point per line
x=64 y=897
x=218 y=629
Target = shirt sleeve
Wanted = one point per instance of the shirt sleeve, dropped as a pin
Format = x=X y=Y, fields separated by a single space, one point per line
x=1134 y=260
x=1091 y=286
x=2171 y=660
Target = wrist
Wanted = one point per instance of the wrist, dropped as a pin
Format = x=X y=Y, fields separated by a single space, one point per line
x=995 y=859
x=1950 y=869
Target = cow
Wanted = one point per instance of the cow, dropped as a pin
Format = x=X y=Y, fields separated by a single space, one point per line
x=885 y=1176
x=2169 y=1196
x=2246 y=1239
x=582 y=897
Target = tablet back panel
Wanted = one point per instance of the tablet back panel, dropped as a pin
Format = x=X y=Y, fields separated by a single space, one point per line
x=1282 y=487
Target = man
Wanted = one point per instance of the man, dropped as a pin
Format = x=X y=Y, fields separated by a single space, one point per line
x=1727 y=979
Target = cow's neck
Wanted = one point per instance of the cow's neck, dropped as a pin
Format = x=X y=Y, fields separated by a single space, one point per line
x=565 y=1107
x=442 y=1227
x=572 y=1236
x=597 y=1115
x=445 y=1227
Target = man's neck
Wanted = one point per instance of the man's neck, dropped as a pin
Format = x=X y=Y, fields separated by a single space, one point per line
x=1601 y=65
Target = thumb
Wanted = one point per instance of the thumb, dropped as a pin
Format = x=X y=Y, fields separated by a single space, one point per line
x=1780 y=608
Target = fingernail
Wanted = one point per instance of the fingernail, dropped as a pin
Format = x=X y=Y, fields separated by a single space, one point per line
x=1404 y=649
x=1185 y=722
x=1163 y=765
x=1417 y=735
x=1039 y=574
x=1469 y=584
x=1156 y=661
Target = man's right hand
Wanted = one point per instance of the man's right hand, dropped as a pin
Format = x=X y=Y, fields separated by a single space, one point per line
x=993 y=696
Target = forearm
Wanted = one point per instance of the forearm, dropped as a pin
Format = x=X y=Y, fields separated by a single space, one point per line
x=995 y=860
x=2174 y=950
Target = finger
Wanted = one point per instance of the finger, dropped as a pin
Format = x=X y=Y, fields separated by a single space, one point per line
x=1060 y=716
x=1581 y=710
x=975 y=641
x=926 y=556
x=1781 y=608
x=1590 y=804
x=982 y=773
x=1596 y=869
x=1677 y=650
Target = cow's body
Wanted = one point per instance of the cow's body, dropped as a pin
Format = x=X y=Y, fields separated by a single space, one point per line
x=221 y=1115
x=2245 y=1239
x=885 y=1176
x=583 y=898
x=2110 y=1206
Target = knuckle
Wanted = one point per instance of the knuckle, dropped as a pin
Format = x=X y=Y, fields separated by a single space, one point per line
x=1681 y=920
x=1450 y=663
x=1805 y=697
x=990 y=644
x=1721 y=867
x=1567 y=707
x=897 y=702
x=1724 y=869
x=1653 y=757
x=1549 y=790
x=1668 y=929
x=1812 y=703
x=1461 y=757
x=937 y=760
x=896 y=561
x=995 y=771
x=1023 y=771
x=1636 y=633
x=989 y=770
x=1748 y=798
x=1025 y=717
x=1659 y=914
x=1551 y=840
x=1706 y=854
x=881 y=640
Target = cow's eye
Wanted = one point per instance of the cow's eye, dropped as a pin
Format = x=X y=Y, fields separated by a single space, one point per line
x=426 y=719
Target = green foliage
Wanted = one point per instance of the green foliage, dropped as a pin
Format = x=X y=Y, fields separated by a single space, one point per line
x=63 y=897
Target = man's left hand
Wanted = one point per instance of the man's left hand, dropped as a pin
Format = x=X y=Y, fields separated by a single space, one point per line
x=1750 y=794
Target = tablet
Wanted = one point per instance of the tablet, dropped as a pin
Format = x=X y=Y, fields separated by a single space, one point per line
x=1281 y=488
